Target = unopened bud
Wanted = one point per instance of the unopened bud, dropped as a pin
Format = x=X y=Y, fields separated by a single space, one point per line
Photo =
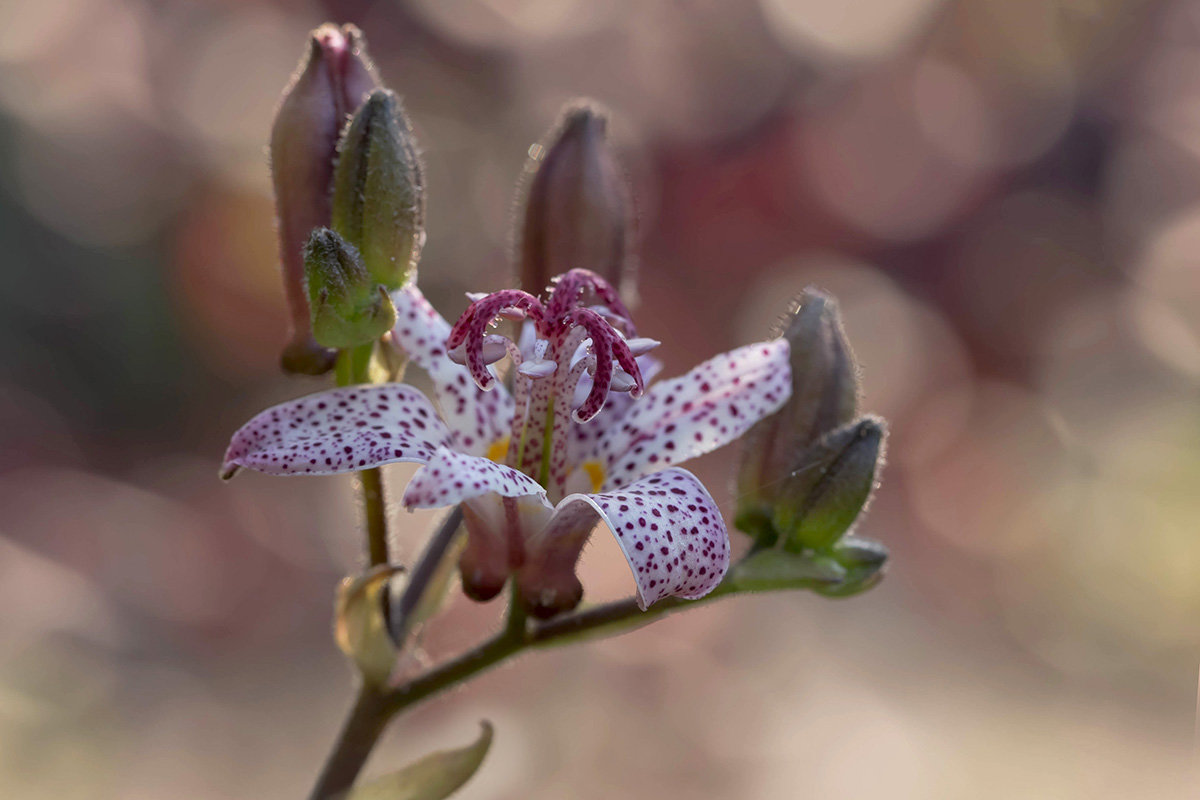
x=828 y=486
x=577 y=208
x=825 y=389
x=863 y=561
x=379 y=190
x=332 y=79
x=348 y=307
x=360 y=625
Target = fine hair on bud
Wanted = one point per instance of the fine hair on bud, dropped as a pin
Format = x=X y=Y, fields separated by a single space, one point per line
x=379 y=190
x=332 y=79
x=574 y=208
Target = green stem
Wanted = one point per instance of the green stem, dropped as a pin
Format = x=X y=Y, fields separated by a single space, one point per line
x=354 y=367
x=361 y=730
x=422 y=574
x=375 y=515
x=373 y=710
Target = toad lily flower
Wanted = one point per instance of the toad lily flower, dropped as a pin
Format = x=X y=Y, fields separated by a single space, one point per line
x=577 y=440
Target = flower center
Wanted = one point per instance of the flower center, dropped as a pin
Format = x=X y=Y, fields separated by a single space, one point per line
x=575 y=349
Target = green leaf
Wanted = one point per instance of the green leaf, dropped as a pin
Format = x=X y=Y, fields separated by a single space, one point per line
x=433 y=777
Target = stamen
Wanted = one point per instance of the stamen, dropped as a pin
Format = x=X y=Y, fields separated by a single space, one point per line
x=554 y=356
x=569 y=288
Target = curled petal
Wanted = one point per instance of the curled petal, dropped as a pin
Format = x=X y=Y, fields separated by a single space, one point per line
x=337 y=431
x=451 y=477
x=477 y=418
x=690 y=415
x=668 y=527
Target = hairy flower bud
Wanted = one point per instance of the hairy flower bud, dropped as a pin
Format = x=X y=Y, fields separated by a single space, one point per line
x=379 y=190
x=577 y=205
x=349 y=308
x=333 y=78
x=828 y=486
x=825 y=389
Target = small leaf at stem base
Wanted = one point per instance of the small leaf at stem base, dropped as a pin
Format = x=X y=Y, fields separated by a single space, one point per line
x=433 y=777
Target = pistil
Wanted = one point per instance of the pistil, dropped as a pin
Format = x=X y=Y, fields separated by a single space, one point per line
x=582 y=308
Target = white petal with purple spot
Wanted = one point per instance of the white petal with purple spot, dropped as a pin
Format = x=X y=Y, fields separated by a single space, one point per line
x=337 y=431
x=670 y=530
x=451 y=477
x=684 y=417
x=476 y=417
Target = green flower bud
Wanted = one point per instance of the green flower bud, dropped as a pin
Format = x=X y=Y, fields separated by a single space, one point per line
x=863 y=560
x=825 y=390
x=379 y=190
x=332 y=79
x=349 y=308
x=828 y=486
x=577 y=207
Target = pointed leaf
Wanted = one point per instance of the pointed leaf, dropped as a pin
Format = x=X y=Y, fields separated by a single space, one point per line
x=433 y=777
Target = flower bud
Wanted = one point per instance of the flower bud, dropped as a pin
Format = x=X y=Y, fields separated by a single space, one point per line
x=863 y=560
x=828 y=486
x=379 y=191
x=332 y=80
x=348 y=307
x=360 y=625
x=577 y=205
x=824 y=396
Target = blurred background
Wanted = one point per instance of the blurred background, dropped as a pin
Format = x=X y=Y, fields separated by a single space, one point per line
x=1003 y=194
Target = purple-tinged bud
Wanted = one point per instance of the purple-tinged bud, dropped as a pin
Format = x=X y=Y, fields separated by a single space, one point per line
x=379 y=190
x=578 y=212
x=331 y=81
x=825 y=391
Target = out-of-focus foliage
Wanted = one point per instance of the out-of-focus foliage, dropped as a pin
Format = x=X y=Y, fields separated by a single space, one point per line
x=1004 y=197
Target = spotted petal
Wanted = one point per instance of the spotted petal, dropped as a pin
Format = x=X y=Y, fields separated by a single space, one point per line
x=337 y=431
x=684 y=417
x=668 y=527
x=477 y=418
x=451 y=478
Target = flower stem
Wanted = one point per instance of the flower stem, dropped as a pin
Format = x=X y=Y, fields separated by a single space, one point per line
x=375 y=708
x=353 y=367
x=424 y=571
x=375 y=515
x=357 y=739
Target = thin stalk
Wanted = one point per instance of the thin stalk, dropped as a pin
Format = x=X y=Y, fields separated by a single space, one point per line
x=354 y=367
x=372 y=711
x=365 y=722
x=374 y=515
x=426 y=567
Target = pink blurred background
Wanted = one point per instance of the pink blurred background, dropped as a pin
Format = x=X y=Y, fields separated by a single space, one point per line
x=1003 y=194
